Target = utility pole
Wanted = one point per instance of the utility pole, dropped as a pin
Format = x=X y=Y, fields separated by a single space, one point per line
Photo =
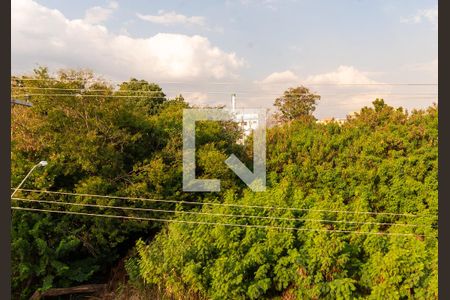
x=233 y=102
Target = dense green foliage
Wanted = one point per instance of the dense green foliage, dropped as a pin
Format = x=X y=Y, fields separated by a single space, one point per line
x=296 y=103
x=382 y=160
x=129 y=144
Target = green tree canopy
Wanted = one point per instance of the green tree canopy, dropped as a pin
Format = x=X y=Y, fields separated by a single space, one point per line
x=383 y=160
x=296 y=103
x=97 y=140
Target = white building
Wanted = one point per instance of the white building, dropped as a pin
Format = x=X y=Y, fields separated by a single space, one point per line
x=247 y=121
x=339 y=121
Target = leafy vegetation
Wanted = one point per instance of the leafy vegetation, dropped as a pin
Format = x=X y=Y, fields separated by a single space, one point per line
x=96 y=143
x=296 y=103
x=382 y=160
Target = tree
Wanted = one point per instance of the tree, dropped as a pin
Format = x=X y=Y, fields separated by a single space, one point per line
x=296 y=103
x=382 y=161
x=98 y=140
x=92 y=141
x=148 y=96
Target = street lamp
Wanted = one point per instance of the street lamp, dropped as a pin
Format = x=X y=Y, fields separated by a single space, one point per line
x=40 y=164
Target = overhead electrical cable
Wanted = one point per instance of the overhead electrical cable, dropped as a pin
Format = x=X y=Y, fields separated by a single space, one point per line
x=216 y=223
x=210 y=214
x=217 y=203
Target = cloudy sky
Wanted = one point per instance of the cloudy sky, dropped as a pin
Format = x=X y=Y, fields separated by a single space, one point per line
x=348 y=51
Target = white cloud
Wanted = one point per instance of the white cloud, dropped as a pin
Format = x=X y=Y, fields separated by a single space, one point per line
x=430 y=15
x=45 y=36
x=171 y=18
x=335 y=101
x=270 y=4
x=285 y=77
x=343 y=75
x=98 y=14
x=277 y=82
x=196 y=98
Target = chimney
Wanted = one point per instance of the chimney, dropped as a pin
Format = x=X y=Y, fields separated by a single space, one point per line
x=233 y=102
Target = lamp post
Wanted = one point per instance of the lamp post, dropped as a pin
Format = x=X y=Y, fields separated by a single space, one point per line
x=40 y=164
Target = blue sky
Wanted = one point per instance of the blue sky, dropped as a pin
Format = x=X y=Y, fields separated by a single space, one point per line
x=257 y=47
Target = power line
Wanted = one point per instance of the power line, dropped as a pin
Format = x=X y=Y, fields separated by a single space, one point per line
x=216 y=204
x=137 y=91
x=97 y=80
x=144 y=93
x=85 y=90
x=322 y=104
x=413 y=96
x=87 y=95
x=134 y=91
x=210 y=214
x=215 y=223
x=229 y=83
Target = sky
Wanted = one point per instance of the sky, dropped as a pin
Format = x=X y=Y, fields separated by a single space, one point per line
x=349 y=52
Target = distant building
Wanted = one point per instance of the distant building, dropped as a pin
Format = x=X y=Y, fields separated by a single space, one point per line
x=339 y=121
x=247 y=121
